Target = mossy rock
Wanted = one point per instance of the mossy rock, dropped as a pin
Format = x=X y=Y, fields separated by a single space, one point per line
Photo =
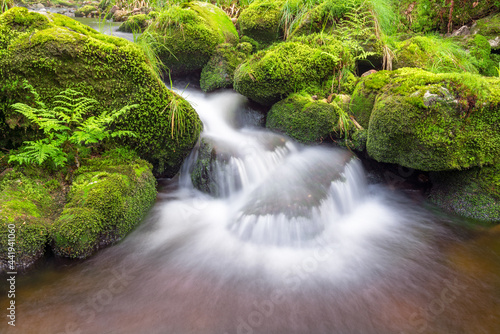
x=108 y=198
x=136 y=23
x=203 y=175
x=219 y=71
x=186 y=36
x=85 y=10
x=434 y=54
x=261 y=21
x=489 y=27
x=431 y=122
x=304 y=119
x=303 y=64
x=55 y=52
x=29 y=199
x=434 y=15
x=472 y=193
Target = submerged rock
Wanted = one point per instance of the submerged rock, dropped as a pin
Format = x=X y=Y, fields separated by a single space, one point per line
x=52 y=52
x=473 y=193
x=431 y=122
x=185 y=36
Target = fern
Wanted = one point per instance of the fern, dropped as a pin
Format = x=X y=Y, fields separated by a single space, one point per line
x=66 y=127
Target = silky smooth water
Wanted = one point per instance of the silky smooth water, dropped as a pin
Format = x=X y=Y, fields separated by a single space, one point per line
x=295 y=241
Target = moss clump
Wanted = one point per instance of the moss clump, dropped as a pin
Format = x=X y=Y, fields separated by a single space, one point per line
x=304 y=119
x=431 y=122
x=305 y=63
x=62 y=53
x=473 y=193
x=219 y=71
x=136 y=23
x=435 y=54
x=108 y=198
x=488 y=27
x=480 y=50
x=29 y=199
x=185 y=36
x=85 y=11
x=261 y=21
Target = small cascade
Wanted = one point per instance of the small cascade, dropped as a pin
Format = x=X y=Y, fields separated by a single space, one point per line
x=279 y=193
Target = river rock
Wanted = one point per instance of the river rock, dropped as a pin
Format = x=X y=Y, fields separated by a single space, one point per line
x=431 y=122
x=260 y=21
x=472 y=193
x=303 y=118
x=303 y=63
x=219 y=71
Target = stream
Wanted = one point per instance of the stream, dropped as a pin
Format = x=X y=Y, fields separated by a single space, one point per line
x=296 y=240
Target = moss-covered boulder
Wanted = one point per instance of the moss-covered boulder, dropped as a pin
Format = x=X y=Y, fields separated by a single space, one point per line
x=85 y=11
x=29 y=200
x=473 y=193
x=305 y=63
x=435 y=54
x=261 y=21
x=136 y=23
x=219 y=71
x=489 y=27
x=55 y=52
x=186 y=36
x=444 y=16
x=108 y=198
x=304 y=119
x=431 y=122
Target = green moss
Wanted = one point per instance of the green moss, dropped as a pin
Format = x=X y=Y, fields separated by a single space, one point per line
x=219 y=71
x=185 y=36
x=29 y=199
x=303 y=64
x=480 y=50
x=261 y=21
x=115 y=72
x=304 y=119
x=108 y=198
x=473 y=193
x=431 y=122
x=136 y=23
x=434 y=54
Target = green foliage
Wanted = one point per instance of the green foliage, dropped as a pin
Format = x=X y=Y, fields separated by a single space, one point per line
x=67 y=128
x=6 y=5
x=63 y=53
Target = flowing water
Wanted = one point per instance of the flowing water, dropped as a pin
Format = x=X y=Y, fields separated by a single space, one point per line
x=292 y=239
